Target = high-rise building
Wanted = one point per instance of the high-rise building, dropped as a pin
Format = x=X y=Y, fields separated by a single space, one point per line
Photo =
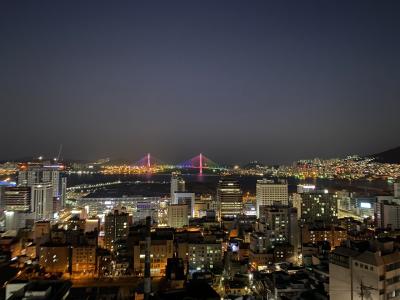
x=115 y=228
x=17 y=199
x=178 y=215
x=32 y=174
x=229 y=196
x=296 y=203
x=387 y=215
x=185 y=198
x=3 y=186
x=277 y=220
x=259 y=258
x=146 y=207
x=279 y=224
x=345 y=200
x=319 y=207
x=42 y=201
x=15 y=220
x=63 y=191
x=177 y=185
x=25 y=204
x=271 y=193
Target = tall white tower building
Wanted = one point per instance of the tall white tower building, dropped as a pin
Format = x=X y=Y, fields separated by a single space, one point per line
x=177 y=185
x=42 y=201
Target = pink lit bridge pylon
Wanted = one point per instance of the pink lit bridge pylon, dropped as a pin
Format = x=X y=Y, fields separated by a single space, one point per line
x=199 y=162
x=149 y=161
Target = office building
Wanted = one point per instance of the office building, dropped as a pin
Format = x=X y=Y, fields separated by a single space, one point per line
x=138 y=206
x=115 y=228
x=319 y=207
x=145 y=208
x=33 y=174
x=185 y=198
x=277 y=226
x=17 y=199
x=387 y=215
x=229 y=198
x=204 y=255
x=270 y=193
x=277 y=222
x=178 y=215
x=63 y=192
x=332 y=234
x=259 y=256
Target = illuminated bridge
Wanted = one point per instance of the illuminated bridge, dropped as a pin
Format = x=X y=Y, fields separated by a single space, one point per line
x=199 y=162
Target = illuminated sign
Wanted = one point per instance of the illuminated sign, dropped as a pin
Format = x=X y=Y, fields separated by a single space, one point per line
x=7 y=183
x=365 y=205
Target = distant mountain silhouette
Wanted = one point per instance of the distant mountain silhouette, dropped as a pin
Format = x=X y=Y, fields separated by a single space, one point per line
x=253 y=165
x=391 y=156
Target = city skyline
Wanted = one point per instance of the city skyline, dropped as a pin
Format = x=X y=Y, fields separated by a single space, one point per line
x=204 y=150
x=389 y=156
x=268 y=81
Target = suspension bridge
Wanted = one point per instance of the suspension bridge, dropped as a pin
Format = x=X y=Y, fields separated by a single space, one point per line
x=200 y=162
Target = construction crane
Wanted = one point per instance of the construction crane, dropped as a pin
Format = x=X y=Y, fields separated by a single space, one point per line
x=59 y=153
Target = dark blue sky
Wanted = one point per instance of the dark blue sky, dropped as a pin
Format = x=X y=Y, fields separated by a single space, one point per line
x=237 y=80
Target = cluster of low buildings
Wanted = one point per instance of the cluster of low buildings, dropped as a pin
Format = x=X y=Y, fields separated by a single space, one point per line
x=351 y=167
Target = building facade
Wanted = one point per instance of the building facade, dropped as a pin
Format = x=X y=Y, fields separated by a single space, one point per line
x=229 y=197
x=42 y=201
x=369 y=274
x=115 y=228
x=177 y=185
x=269 y=193
x=178 y=215
x=319 y=207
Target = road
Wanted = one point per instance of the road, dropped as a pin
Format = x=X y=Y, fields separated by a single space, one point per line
x=347 y=214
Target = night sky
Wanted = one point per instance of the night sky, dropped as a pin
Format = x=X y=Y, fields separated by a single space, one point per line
x=274 y=81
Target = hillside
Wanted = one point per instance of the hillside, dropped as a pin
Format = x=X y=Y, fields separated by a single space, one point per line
x=390 y=156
